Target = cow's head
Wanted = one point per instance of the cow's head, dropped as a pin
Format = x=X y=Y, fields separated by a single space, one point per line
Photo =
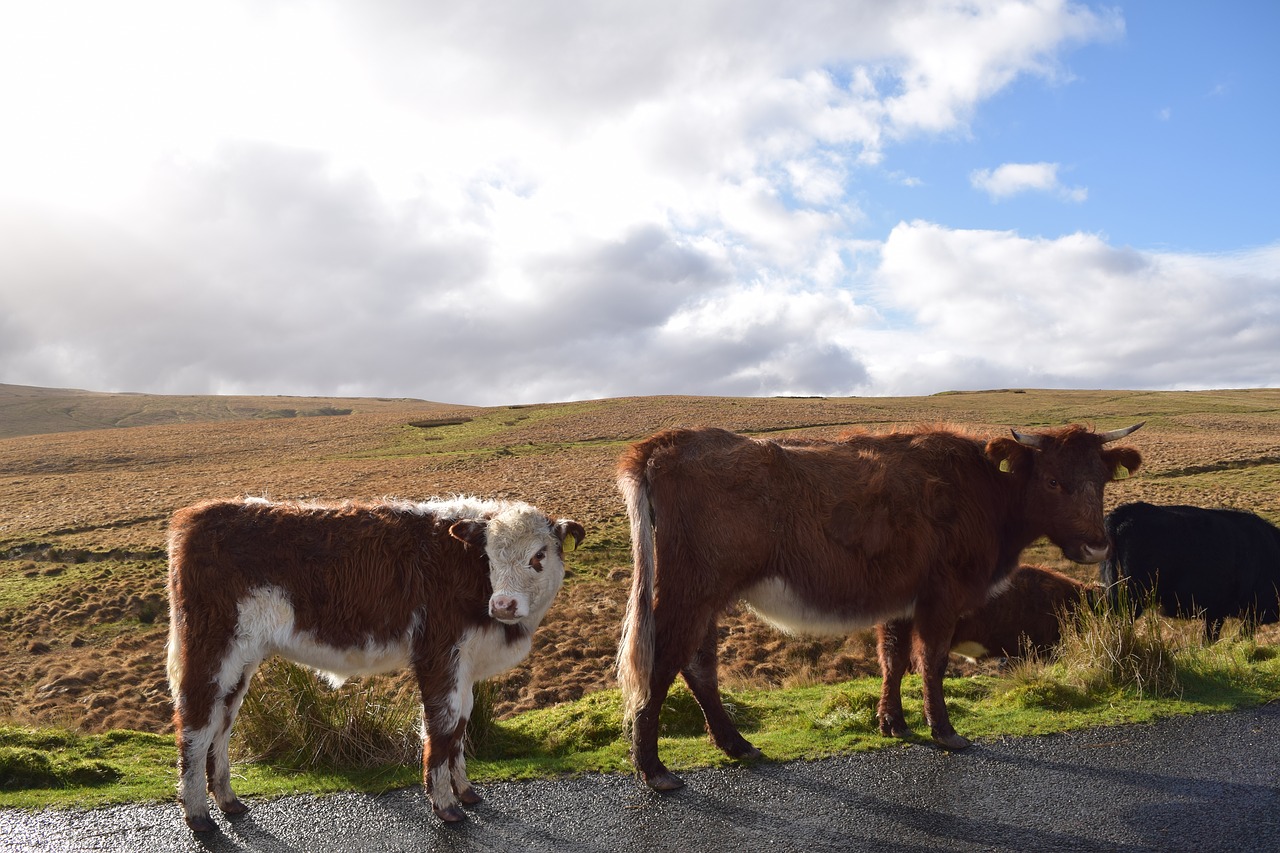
x=1062 y=473
x=525 y=549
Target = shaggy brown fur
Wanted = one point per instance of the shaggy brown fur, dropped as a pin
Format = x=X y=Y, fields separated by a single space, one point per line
x=905 y=530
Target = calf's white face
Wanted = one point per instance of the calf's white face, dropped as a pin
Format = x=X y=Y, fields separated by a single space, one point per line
x=525 y=550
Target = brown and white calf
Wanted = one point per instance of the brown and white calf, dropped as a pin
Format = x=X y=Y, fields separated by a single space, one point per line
x=452 y=588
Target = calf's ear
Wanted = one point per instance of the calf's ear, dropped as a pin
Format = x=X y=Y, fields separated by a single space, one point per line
x=1008 y=455
x=567 y=527
x=1122 y=461
x=469 y=531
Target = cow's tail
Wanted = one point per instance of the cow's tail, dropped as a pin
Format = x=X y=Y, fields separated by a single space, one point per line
x=635 y=649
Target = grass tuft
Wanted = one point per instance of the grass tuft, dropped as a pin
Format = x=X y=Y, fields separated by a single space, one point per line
x=1105 y=649
x=292 y=720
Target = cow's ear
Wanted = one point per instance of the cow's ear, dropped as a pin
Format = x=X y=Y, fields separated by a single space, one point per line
x=1122 y=461
x=567 y=527
x=1008 y=455
x=469 y=531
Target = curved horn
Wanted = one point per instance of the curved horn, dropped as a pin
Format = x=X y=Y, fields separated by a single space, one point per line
x=1029 y=439
x=1119 y=433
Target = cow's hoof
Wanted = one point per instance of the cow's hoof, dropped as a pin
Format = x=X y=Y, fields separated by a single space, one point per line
x=469 y=796
x=234 y=807
x=951 y=741
x=743 y=751
x=201 y=823
x=664 y=781
x=452 y=814
x=894 y=728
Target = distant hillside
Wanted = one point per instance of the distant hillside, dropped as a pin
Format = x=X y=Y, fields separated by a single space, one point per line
x=26 y=410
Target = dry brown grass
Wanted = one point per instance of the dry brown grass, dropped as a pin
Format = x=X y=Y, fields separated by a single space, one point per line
x=82 y=514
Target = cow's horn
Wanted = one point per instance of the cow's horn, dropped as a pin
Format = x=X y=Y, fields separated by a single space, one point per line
x=1029 y=439
x=1119 y=433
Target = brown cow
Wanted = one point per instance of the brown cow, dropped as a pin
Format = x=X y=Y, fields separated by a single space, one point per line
x=906 y=530
x=1023 y=616
x=453 y=589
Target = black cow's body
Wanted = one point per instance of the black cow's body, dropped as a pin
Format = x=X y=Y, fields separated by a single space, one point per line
x=1213 y=563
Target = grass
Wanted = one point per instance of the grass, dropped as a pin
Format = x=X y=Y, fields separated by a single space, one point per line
x=105 y=491
x=331 y=749
x=294 y=720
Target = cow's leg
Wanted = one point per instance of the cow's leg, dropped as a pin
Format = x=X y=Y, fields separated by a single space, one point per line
x=219 y=766
x=933 y=643
x=679 y=626
x=442 y=733
x=893 y=646
x=702 y=676
x=644 y=736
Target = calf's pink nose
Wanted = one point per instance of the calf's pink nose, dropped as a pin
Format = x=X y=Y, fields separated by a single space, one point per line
x=503 y=605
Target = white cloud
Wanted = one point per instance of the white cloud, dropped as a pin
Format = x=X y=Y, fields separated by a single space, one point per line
x=510 y=202
x=1012 y=179
x=999 y=309
x=958 y=54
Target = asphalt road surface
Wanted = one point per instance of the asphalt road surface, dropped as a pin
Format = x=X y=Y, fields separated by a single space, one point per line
x=1205 y=783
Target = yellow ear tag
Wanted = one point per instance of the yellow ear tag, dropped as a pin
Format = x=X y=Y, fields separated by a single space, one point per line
x=1121 y=473
x=1005 y=466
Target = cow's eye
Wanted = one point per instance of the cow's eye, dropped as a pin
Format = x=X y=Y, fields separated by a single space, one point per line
x=536 y=562
x=1053 y=484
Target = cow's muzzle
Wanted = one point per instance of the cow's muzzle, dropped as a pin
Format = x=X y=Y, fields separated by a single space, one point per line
x=1092 y=553
x=505 y=608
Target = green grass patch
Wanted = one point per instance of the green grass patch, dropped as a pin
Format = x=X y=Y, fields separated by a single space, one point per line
x=489 y=432
x=53 y=768
x=40 y=767
x=606 y=548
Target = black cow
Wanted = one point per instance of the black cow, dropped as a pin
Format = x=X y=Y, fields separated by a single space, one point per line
x=1212 y=563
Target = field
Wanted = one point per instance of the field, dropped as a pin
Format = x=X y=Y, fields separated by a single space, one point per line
x=87 y=482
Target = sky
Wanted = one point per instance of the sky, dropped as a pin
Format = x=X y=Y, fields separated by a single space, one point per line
x=497 y=203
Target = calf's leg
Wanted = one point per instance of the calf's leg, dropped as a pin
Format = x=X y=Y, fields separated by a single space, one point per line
x=219 y=766
x=458 y=762
x=443 y=730
x=208 y=695
x=194 y=757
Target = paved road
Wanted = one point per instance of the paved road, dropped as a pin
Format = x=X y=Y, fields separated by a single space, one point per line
x=1207 y=783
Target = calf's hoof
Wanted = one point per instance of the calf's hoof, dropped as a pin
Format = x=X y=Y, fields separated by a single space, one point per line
x=664 y=781
x=234 y=807
x=201 y=823
x=470 y=797
x=452 y=814
x=951 y=741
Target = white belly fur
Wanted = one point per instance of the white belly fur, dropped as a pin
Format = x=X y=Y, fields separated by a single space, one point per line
x=779 y=605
